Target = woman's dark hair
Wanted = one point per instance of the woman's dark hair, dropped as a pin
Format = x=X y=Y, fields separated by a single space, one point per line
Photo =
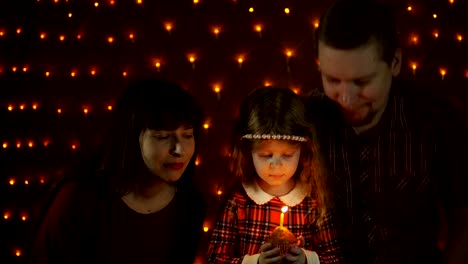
x=348 y=24
x=146 y=104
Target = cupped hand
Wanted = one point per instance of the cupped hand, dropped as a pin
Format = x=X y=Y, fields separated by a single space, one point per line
x=269 y=254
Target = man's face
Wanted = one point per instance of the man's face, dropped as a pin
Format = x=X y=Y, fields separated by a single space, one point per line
x=358 y=80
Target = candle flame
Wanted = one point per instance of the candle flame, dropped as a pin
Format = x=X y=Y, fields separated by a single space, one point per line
x=284 y=209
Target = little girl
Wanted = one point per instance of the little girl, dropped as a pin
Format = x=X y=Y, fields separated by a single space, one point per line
x=276 y=163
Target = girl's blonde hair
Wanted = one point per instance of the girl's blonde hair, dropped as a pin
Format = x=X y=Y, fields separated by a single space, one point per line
x=279 y=111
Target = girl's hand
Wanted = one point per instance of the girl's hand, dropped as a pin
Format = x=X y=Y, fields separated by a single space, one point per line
x=296 y=255
x=269 y=254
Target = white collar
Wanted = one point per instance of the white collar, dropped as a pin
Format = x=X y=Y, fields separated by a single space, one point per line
x=293 y=198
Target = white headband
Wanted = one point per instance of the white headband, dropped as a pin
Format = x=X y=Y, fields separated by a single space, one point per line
x=274 y=137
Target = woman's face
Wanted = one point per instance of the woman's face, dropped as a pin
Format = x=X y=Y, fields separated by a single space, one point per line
x=167 y=153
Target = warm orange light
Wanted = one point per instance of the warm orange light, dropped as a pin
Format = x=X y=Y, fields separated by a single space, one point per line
x=26 y=182
x=197 y=161
x=205 y=228
x=18 y=252
x=62 y=38
x=267 y=83
x=296 y=90
x=21 y=107
x=219 y=192
x=251 y=10
x=23 y=217
x=258 y=28
x=206 y=126
x=216 y=31
x=59 y=111
x=286 y=10
x=410 y=8
x=191 y=58
x=25 y=69
x=451 y=1
x=14 y=69
x=6 y=216
x=217 y=88
x=73 y=74
x=110 y=39
x=93 y=72
x=131 y=36
x=12 y=182
x=5 y=145
x=459 y=37
x=288 y=53
x=466 y=74
x=124 y=74
x=70 y=15
x=10 y=108
x=78 y=36
x=195 y=1
x=139 y=2
x=42 y=181
x=435 y=34
x=85 y=110
x=414 y=66
x=34 y=106
x=2 y=33
x=442 y=72
x=73 y=146
x=96 y=4
x=112 y=2
x=168 y=26
x=240 y=59
x=46 y=143
x=43 y=35
x=18 y=30
x=316 y=23
x=434 y=15
x=109 y=107
x=157 y=64
x=31 y=144
x=18 y=144
x=414 y=39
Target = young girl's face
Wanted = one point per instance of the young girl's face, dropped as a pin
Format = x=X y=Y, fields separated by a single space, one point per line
x=276 y=162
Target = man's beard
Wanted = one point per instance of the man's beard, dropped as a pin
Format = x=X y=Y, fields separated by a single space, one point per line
x=358 y=121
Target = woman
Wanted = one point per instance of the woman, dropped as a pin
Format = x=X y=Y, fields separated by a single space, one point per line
x=140 y=205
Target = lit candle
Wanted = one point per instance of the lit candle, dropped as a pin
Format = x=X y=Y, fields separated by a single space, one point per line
x=284 y=209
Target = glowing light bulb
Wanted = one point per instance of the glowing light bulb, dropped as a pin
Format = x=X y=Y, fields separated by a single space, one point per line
x=14 y=69
x=451 y=1
x=62 y=37
x=2 y=33
x=5 y=145
x=289 y=53
x=46 y=143
x=434 y=15
x=110 y=39
x=217 y=88
x=78 y=36
x=73 y=74
x=205 y=228
x=96 y=4
x=26 y=182
x=34 y=106
x=12 y=181
x=124 y=74
x=139 y=2
x=267 y=83
x=414 y=66
x=157 y=64
x=6 y=216
x=197 y=161
x=168 y=26
x=286 y=10
x=10 y=108
x=435 y=34
x=85 y=110
x=316 y=23
x=30 y=144
x=59 y=111
x=410 y=8
x=216 y=31
x=47 y=74
x=109 y=107
x=442 y=72
x=23 y=217
x=251 y=10
x=73 y=146
x=21 y=107
x=18 y=30
x=195 y=1
x=414 y=39
x=93 y=72
x=70 y=15
x=459 y=37
x=43 y=35
x=296 y=90
x=219 y=192
x=131 y=36
x=206 y=126
x=18 y=252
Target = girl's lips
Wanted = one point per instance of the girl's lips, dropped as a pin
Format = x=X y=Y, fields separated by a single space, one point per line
x=174 y=165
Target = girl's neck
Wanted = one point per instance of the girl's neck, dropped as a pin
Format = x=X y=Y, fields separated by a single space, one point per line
x=277 y=190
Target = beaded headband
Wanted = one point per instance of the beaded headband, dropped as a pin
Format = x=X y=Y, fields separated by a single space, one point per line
x=274 y=137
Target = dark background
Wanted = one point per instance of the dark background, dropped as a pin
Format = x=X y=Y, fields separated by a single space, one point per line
x=37 y=141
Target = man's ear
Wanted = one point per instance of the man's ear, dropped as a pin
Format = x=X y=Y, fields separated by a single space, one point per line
x=396 y=63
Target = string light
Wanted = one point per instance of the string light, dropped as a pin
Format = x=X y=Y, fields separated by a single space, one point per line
x=18 y=252
x=217 y=88
x=109 y=107
x=131 y=36
x=26 y=182
x=12 y=181
x=195 y=1
x=5 y=145
x=46 y=143
x=6 y=215
x=258 y=28
x=434 y=15
x=286 y=10
x=18 y=144
x=197 y=161
x=31 y=144
x=93 y=72
x=158 y=65
x=206 y=125
x=110 y=40
x=459 y=37
x=70 y=15
x=2 y=33
x=124 y=74
x=414 y=66
x=251 y=10
x=435 y=34
x=47 y=74
x=139 y=2
x=22 y=107
x=219 y=192
x=24 y=217
x=414 y=39
x=62 y=37
x=240 y=60
x=96 y=4
x=59 y=111
x=18 y=30
x=192 y=59
x=85 y=110
x=78 y=36
x=112 y=2
x=267 y=83
x=73 y=74
x=410 y=8
x=34 y=106
x=216 y=31
x=43 y=35
x=206 y=229
x=451 y=1
x=296 y=90
x=316 y=23
x=73 y=147
x=442 y=72
x=25 y=69
x=168 y=27
x=13 y=69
